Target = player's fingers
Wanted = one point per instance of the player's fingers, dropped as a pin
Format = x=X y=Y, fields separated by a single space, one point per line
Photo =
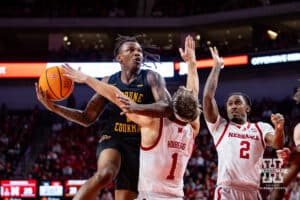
x=279 y=151
x=124 y=101
x=186 y=42
x=193 y=44
x=190 y=42
x=181 y=51
x=216 y=50
x=121 y=97
x=67 y=65
x=36 y=87
x=211 y=52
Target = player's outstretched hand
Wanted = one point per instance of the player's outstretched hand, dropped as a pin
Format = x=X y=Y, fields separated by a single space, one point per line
x=75 y=75
x=277 y=120
x=217 y=60
x=188 y=54
x=43 y=97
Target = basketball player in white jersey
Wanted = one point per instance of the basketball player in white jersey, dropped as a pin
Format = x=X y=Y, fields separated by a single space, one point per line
x=167 y=141
x=291 y=158
x=239 y=143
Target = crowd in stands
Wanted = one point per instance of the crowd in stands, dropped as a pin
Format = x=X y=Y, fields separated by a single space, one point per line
x=69 y=152
x=129 y=8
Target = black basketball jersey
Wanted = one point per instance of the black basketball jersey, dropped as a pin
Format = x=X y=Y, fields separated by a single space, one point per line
x=139 y=91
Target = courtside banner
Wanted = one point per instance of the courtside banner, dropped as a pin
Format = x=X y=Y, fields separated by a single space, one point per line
x=95 y=69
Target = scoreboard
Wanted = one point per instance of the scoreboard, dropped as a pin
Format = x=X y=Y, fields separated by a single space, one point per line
x=19 y=188
x=42 y=190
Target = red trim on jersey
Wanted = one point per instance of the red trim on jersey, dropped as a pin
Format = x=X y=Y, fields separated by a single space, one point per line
x=193 y=149
x=240 y=126
x=219 y=193
x=177 y=121
x=158 y=138
x=261 y=135
x=248 y=126
x=225 y=129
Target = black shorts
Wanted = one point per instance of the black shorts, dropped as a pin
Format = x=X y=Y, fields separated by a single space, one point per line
x=129 y=148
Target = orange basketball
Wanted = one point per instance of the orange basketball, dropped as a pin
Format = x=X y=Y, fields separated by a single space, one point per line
x=58 y=87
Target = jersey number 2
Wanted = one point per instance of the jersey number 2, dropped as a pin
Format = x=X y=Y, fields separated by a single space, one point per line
x=244 y=150
x=172 y=170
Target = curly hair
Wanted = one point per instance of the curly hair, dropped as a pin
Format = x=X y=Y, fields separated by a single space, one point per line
x=185 y=104
x=297 y=96
x=147 y=48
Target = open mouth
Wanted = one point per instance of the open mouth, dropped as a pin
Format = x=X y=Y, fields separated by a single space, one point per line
x=137 y=60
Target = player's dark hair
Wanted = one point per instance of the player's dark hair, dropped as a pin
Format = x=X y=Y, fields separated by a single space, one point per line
x=121 y=39
x=185 y=104
x=245 y=97
x=147 y=48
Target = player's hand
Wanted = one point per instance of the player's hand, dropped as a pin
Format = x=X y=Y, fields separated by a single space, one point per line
x=284 y=154
x=188 y=54
x=128 y=105
x=75 y=75
x=277 y=120
x=43 y=98
x=217 y=60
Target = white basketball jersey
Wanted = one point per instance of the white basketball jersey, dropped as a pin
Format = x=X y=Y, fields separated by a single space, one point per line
x=240 y=151
x=162 y=165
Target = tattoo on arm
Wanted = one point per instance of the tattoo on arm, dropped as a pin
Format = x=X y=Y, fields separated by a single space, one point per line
x=158 y=86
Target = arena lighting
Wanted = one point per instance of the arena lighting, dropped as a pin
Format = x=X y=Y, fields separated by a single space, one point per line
x=95 y=69
x=272 y=34
x=207 y=63
x=273 y=59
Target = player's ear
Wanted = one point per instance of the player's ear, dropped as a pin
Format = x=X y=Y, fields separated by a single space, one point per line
x=119 y=58
x=248 y=109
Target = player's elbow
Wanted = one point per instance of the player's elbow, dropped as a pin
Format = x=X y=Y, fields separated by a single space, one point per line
x=87 y=120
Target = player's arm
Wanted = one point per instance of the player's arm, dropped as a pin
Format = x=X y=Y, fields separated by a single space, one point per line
x=83 y=117
x=297 y=134
x=277 y=140
x=210 y=107
x=102 y=88
x=292 y=171
x=192 y=82
x=161 y=108
x=188 y=55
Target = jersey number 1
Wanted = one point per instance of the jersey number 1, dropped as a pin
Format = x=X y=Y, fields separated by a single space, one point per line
x=244 y=150
x=172 y=170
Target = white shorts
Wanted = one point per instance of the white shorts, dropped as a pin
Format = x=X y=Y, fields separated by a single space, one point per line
x=236 y=193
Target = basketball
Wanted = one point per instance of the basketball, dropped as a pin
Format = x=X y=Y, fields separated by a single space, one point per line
x=53 y=81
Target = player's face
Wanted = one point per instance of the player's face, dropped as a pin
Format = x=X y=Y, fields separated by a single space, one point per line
x=237 y=109
x=297 y=95
x=130 y=55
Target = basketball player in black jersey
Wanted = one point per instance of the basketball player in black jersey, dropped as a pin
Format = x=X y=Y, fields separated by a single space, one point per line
x=119 y=141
